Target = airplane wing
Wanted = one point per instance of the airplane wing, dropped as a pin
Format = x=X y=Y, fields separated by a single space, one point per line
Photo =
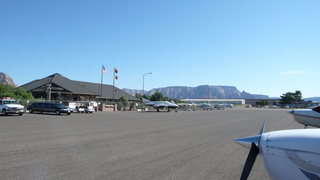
x=307 y=117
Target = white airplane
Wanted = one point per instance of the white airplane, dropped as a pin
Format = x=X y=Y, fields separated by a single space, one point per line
x=206 y=106
x=188 y=107
x=220 y=106
x=307 y=117
x=161 y=105
x=287 y=154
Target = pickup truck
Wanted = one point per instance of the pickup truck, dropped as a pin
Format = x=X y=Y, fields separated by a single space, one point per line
x=10 y=106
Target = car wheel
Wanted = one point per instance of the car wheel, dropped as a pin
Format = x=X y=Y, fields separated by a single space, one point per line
x=30 y=111
x=20 y=114
x=68 y=113
x=4 y=112
x=57 y=112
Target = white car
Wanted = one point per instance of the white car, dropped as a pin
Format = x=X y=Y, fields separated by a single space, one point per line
x=273 y=106
x=10 y=106
x=84 y=109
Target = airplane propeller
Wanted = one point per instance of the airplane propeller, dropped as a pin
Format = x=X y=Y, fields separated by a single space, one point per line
x=251 y=142
x=254 y=151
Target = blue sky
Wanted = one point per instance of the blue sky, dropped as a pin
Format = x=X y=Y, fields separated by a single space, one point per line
x=261 y=47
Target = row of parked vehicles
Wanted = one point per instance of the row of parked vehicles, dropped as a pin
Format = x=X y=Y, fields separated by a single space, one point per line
x=9 y=105
x=58 y=108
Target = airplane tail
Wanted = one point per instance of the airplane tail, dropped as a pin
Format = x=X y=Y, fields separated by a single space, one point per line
x=145 y=100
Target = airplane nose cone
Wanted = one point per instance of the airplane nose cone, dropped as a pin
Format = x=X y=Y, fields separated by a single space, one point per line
x=290 y=112
x=246 y=141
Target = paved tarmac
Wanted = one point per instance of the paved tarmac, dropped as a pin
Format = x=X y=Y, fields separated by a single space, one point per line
x=134 y=145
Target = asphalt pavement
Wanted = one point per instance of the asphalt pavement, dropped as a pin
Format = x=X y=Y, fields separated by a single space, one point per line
x=134 y=145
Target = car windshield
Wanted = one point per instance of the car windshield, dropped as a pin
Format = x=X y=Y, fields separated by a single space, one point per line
x=10 y=102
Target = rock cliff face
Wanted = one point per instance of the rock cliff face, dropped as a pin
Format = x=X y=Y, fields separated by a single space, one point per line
x=5 y=79
x=199 y=92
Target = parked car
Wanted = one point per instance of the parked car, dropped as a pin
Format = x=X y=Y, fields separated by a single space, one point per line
x=57 y=108
x=273 y=106
x=80 y=109
x=10 y=106
x=88 y=109
x=84 y=109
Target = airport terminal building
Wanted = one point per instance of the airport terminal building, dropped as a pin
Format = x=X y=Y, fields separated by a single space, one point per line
x=59 y=88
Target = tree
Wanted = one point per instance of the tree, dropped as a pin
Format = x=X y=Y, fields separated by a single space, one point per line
x=297 y=97
x=20 y=93
x=139 y=96
x=262 y=103
x=146 y=97
x=123 y=103
x=158 y=96
x=123 y=99
x=291 y=98
x=10 y=91
x=4 y=89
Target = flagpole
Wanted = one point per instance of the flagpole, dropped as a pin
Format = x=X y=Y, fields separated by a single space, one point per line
x=101 y=84
x=113 y=82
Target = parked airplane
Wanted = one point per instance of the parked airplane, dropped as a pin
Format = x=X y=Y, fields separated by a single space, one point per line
x=307 y=117
x=206 y=107
x=287 y=154
x=220 y=106
x=161 y=105
x=188 y=107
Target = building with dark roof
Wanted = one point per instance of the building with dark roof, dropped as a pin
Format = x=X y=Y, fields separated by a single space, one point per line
x=58 y=87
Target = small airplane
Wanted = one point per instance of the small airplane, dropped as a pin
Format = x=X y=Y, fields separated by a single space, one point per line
x=206 y=107
x=220 y=106
x=307 y=117
x=188 y=106
x=287 y=154
x=161 y=105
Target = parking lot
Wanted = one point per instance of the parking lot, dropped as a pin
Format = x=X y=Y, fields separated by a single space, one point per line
x=134 y=145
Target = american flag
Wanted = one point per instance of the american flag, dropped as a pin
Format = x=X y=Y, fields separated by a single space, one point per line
x=104 y=71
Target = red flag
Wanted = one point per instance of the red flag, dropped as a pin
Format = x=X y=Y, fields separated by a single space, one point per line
x=115 y=70
x=104 y=71
x=116 y=77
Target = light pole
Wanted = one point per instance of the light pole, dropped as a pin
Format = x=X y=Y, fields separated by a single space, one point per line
x=143 y=82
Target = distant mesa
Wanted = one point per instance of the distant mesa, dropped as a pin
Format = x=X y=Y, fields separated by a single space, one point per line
x=199 y=92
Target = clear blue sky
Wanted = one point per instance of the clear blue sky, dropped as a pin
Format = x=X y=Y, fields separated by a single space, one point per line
x=261 y=47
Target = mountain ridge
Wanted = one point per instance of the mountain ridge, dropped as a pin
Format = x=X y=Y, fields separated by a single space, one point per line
x=198 y=92
x=5 y=79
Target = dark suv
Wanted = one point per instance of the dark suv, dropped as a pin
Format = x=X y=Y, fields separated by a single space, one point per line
x=49 y=107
